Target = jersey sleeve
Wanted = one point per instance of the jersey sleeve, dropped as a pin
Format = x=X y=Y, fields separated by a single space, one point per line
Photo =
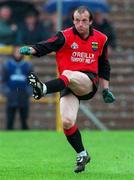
x=104 y=64
x=51 y=45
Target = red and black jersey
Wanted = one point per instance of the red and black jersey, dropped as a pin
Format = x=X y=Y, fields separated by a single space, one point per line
x=75 y=53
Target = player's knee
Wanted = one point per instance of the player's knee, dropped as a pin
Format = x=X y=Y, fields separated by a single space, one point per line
x=67 y=73
x=67 y=123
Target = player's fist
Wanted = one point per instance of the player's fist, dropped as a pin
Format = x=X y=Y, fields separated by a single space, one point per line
x=108 y=96
x=25 y=50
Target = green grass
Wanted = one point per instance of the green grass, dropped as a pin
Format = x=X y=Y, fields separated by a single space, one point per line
x=45 y=155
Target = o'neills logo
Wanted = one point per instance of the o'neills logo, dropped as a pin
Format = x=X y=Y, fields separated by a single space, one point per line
x=74 y=45
x=83 y=57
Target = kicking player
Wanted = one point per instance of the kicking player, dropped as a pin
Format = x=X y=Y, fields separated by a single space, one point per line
x=82 y=61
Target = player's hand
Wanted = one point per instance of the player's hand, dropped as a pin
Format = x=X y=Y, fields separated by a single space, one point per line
x=37 y=86
x=108 y=96
x=25 y=50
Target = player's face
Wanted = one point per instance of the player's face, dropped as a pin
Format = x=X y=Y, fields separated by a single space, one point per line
x=82 y=23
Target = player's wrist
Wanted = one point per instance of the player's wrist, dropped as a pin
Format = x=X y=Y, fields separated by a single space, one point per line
x=105 y=91
x=32 y=50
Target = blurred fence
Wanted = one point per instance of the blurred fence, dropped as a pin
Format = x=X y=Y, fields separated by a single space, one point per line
x=119 y=115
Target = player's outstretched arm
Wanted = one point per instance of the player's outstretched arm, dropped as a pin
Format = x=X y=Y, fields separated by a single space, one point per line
x=27 y=50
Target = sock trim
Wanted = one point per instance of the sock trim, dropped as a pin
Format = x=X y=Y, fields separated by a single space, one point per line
x=44 y=89
x=82 y=153
x=65 y=79
x=72 y=130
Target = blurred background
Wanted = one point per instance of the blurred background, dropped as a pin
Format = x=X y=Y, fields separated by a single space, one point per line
x=27 y=22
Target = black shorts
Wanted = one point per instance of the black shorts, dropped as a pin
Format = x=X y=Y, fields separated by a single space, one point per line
x=94 y=79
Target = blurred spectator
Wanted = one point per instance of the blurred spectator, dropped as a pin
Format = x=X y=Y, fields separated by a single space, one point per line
x=67 y=21
x=8 y=29
x=48 y=23
x=32 y=30
x=16 y=89
x=102 y=24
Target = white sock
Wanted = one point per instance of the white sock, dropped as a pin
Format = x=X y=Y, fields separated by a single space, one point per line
x=82 y=153
x=44 y=89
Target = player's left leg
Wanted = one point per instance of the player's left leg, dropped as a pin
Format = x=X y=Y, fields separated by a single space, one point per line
x=77 y=81
x=40 y=89
x=69 y=106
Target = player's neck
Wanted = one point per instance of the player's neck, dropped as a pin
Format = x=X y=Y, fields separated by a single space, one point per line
x=85 y=35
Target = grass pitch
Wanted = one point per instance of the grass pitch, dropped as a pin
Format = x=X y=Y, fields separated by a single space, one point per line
x=45 y=155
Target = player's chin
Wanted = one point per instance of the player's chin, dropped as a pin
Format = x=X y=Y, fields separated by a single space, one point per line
x=81 y=32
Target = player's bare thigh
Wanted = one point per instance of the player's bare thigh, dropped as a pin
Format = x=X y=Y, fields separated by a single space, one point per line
x=69 y=106
x=80 y=83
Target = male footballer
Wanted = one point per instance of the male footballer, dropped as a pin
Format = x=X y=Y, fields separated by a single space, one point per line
x=82 y=61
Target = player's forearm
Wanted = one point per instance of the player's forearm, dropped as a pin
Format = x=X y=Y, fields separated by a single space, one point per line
x=32 y=51
x=45 y=47
x=104 y=83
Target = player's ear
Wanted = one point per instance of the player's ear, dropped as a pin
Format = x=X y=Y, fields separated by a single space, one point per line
x=90 y=22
